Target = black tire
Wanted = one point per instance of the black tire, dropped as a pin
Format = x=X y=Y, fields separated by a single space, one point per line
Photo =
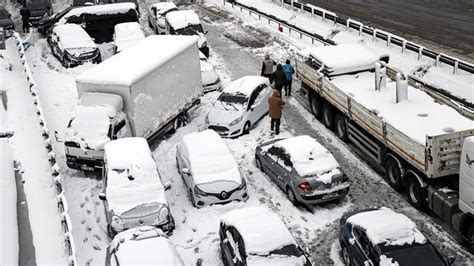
x=258 y=163
x=328 y=115
x=393 y=174
x=291 y=196
x=246 y=129
x=470 y=237
x=111 y=232
x=345 y=255
x=65 y=62
x=315 y=104
x=340 y=127
x=416 y=194
x=150 y=25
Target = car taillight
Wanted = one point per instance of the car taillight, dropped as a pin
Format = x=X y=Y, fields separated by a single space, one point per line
x=305 y=186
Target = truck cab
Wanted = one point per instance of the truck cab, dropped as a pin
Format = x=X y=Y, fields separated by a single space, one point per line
x=98 y=119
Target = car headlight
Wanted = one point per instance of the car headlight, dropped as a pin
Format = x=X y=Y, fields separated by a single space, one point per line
x=236 y=121
x=199 y=192
x=163 y=215
x=117 y=223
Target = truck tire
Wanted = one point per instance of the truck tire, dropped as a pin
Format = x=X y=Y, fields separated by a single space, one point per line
x=416 y=194
x=328 y=115
x=393 y=173
x=340 y=127
x=315 y=104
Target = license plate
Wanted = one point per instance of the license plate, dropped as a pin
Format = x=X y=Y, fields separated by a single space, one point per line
x=332 y=195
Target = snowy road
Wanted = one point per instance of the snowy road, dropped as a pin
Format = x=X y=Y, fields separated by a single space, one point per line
x=236 y=50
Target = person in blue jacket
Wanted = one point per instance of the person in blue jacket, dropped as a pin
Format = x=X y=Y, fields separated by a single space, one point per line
x=25 y=17
x=289 y=70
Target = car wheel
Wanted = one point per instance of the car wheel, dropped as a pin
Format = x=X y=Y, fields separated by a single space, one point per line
x=393 y=173
x=224 y=259
x=315 y=105
x=416 y=194
x=111 y=232
x=328 y=115
x=291 y=196
x=341 y=127
x=345 y=255
x=258 y=163
x=246 y=128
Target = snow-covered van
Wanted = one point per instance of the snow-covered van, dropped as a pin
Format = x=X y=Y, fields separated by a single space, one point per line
x=134 y=194
x=147 y=100
x=186 y=22
x=127 y=34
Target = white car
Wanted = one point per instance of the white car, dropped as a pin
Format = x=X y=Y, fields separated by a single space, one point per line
x=127 y=34
x=186 y=22
x=240 y=106
x=209 y=170
x=145 y=245
x=134 y=194
x=210 y=79
x=156 y=15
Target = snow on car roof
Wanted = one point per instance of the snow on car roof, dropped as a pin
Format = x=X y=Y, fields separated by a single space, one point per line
x=127 y=34
x=417 y=117
x=308 y=156
x=261 y=229
x=384 y=226
x=344 y=58
x=210 y=158
x=116 y=8
x=114 y=71
x=73 y=36
x=132 y=177
x=163 y=7
x=245 y=85
x=182 y=18
x=138 y=246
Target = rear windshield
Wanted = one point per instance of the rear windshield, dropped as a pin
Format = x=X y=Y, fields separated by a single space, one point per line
x=190 y=30
x=420 y=255
x=36 y=4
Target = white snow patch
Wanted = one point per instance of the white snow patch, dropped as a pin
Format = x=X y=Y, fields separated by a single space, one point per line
x=117 y=8
x=73 y=37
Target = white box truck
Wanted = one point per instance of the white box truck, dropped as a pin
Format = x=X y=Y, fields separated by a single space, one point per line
x=421 y=144
x=144 y=91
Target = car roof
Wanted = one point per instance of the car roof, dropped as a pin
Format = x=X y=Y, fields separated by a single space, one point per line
x=116 y=8
x=182 y=18
x=73 y=36
x=262 y=230
x=384 y=226
x=162 y=7
x=245 y=85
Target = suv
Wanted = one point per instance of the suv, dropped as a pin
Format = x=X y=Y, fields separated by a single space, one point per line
x=39 y=9
x=46 y=23
x=186 y=22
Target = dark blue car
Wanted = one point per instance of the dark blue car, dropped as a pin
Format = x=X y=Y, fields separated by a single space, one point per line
x=381 y=236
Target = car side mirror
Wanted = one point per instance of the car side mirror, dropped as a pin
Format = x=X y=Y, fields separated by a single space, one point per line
x=306 y=250
x=167 y=185
x=102 y=196
x=450 y=260
x=185 y=171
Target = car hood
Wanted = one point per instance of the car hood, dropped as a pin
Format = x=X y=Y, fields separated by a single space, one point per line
x=218 y=115
x=208 y=74
x=6 y=21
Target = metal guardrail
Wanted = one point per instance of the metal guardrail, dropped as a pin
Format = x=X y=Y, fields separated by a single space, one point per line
x=66 y=223
x=461 y=105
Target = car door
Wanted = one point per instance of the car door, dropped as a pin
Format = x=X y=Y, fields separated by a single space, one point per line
x=278 y=166
x=261 y=103
x=182 y=163
x=227 y=251
x=252 y=106
x=360 y=247
x=234 y=246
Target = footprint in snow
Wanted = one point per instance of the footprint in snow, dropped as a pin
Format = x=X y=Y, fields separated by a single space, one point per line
x=199 y=262
x=97 y=237
x=196 y=250
x=88 y=228
x=89 y=212
x=97 y=203
x=85 y=240
x=96 y=247
x=97 y=220
x=82 y=204
x=83 y=221
x=86 y=198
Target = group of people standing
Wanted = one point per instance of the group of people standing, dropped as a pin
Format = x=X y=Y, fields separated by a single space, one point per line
x=282 y=78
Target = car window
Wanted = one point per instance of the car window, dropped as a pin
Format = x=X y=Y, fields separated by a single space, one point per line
x=3 y=13
x=362 y=239
x=255 y=96
x=281 y=157
x=236 y=244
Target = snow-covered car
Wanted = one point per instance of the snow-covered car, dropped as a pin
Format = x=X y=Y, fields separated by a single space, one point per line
x=257 y=236
x=46 y=23
x=210 y=79
x=303 y=168
x=186 y=22
x=84 y=2
x=38 y=10
x=71 y=44
x=145 y=245
x=134 y=194
x=6 y=21
x=384 y=237
x=157 y=13
x=209 y=170
x=240 y=106
x=127 y=34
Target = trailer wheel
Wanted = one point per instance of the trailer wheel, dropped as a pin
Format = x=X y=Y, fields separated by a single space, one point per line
x=315 y=104
x=341 y=127
x=328 y=115
x=416 y=193
x=394 y=173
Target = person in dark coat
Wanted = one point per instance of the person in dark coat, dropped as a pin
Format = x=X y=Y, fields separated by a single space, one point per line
x=289 y=71
x=275 y=105
x=279 y=78
x=25 y=18
x=267 y=67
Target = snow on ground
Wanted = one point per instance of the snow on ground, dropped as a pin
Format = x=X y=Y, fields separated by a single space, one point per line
x=28 y=149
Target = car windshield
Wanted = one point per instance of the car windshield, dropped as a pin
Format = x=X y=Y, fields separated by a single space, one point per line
x=216 y=187
x=190 y=30
x=35 y=4
x=167 y=11
x=142 y=210
x=414 y=255
x=62 y=13
x=235 y=102
x=3 y=14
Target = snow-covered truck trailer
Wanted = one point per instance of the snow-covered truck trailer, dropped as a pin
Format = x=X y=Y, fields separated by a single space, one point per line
x=144 y=91
x=398 y=127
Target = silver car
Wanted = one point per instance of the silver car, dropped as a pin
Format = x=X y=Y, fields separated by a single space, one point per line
x=304 y=169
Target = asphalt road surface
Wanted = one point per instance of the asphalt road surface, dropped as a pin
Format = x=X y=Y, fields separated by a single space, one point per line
x=442 y=25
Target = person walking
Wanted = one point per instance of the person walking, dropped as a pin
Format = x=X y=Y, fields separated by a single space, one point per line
x=289 y=71
x=267 y=67
x=275 y=105
x=25 y=17
x=279 y=78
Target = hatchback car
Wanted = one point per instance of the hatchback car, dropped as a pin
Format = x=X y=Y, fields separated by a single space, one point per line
x=304 y=169
x=143 y=245
x=209 y=170
x=156 y=15
x=240 y=106
x=382 y=236
x=257 y=236
x=133 y=194
x=72 y=45
x=38 y=10
x=6 y=21
x=210 y=79
x=127 y=34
